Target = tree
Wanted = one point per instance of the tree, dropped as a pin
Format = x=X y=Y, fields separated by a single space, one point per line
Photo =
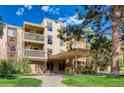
x=2 y=26
x=103 y=48
x=6 y=68
x=103 y=19
x=70 y=34
x=122 y=50
x=23 y=66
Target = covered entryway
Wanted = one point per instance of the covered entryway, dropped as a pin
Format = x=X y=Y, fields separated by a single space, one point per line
x=68 y=57
x=56 y=66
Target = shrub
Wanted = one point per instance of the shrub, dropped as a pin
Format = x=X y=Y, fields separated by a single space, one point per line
x=23 y=66
x=69 y=70
x=6 y=68
x=88 y=69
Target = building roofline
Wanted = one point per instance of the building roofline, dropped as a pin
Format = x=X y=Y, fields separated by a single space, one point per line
x=54 y=21
x=33 y=24
x=14 y=26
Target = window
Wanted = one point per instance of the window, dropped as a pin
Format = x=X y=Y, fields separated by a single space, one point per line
x=49 y=51
x=12 y=42
x=62 y=43
x=50 y=41
x=12 y=32
x=49 y=26
x=12 y=47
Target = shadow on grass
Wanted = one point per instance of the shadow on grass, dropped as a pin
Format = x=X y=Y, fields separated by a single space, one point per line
x=101 y=74
x=8 y=77
x=116 y=77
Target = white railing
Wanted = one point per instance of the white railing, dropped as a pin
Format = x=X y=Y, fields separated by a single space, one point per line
x=34 y=53
x=33 y=36
x=77 y=44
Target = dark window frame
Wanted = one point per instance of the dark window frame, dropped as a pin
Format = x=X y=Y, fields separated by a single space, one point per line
x=49 y=26
x=50 y=39
x=49 y=51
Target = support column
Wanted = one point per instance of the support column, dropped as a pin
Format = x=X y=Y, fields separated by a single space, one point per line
x=66 y=62
x=73 y=70
x=76 y=67
x=76 y=59
x=109 y=69
x=98 y=69
x=45 y=66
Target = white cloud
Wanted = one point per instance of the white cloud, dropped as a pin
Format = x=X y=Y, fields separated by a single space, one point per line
x=29 y=7
x=72 y=20
x=51 y=10
x=54 y=11
x=62 y=19
x=20 y=11
x=45 y=8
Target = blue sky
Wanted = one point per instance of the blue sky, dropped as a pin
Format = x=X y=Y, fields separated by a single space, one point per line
x=17 y=14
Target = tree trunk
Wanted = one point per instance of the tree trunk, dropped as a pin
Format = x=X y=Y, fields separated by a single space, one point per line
x=115 y=41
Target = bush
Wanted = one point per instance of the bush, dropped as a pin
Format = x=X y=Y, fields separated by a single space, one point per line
x=69 y=70
x=23 y=66
x=88 y=69
x=6 y=68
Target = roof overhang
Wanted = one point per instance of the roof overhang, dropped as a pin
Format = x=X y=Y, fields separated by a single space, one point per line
x=76 y=53
x=33 y=26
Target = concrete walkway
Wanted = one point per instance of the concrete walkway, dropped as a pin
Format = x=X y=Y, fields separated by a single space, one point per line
x=52 y=80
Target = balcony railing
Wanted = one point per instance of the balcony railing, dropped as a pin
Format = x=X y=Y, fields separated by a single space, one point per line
x=34 y=53
x=33 y=36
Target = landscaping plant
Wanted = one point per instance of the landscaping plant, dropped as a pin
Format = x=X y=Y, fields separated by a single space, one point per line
x=6 y=68
x=23 y=66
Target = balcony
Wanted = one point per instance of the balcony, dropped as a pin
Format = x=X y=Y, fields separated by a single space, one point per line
x=34 y=37
x=34 y=53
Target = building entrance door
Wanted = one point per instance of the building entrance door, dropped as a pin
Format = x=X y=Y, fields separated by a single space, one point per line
x=61 y=66
x=50 y=66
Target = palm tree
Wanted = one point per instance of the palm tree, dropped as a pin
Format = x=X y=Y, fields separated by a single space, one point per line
x=70 y=34
x=2 y=26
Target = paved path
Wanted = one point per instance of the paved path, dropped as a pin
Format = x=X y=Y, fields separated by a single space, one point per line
x=51 y=80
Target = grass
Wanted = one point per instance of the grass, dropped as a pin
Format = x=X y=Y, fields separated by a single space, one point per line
x=93 y=81
x=27 y=74
x=19 y=82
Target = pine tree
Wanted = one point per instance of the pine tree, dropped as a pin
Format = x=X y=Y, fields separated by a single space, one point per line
x=103 y=19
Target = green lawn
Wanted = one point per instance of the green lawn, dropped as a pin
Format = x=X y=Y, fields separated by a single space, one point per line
x=19 y=82
x=27 y=74
x=93 y=81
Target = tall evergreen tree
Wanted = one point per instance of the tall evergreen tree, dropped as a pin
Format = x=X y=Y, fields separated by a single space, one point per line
x=103 y=19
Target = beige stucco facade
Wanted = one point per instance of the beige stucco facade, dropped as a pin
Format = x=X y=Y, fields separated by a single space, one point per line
x=36 y=43
x=4 y=43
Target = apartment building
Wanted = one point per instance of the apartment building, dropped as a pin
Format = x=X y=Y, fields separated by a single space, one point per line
x=36 y=43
